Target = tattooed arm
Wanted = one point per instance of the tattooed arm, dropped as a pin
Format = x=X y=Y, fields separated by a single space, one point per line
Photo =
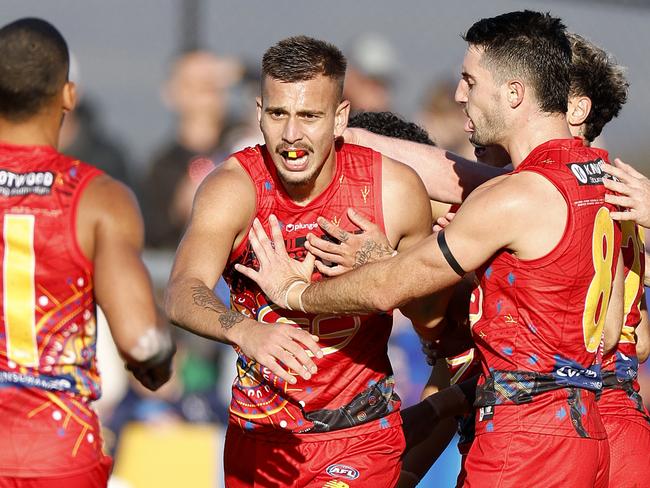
x=223 y=209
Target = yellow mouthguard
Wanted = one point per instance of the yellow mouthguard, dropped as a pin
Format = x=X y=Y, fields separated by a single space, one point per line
x=292 y=154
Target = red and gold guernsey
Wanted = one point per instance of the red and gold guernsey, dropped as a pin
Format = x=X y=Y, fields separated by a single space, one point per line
x=538 y=323
x=48 y=373
x=620 y=366
x=354 y=384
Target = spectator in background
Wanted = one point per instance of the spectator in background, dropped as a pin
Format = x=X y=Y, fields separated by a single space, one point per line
x=84 y=137
x=245 y=131
x=197 y=92
x=371 y=71
x=444 y=120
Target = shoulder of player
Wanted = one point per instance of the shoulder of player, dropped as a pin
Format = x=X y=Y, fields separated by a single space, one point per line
x=108 y=211
x=513 y=193
x=227 y=193
x=108 y=196
x=400 y=178
x=407 y=211
x=228 y=178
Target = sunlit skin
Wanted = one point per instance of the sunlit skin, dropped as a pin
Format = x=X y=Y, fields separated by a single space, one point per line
x=481 y=98
x=303 y=117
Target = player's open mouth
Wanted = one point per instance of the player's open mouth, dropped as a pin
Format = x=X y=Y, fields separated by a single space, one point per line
x=295 y=159
x=469 y=125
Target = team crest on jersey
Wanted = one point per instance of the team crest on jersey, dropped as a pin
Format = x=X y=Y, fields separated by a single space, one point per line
x=588 y=173
x=342 y=471
x=336 y=484
x=37 y=182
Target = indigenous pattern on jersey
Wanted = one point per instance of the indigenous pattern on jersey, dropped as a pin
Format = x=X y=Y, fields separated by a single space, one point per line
x=538 y=323
x=48 y=330
x=354 y=384
x=48 y=372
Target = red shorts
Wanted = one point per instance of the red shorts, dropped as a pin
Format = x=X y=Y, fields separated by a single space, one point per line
x=48 y=435
x=96 y=477
x=517 y=459
x=369 y=460
x=629 y=442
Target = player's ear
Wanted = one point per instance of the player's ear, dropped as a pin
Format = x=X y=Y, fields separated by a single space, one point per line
x=341 y=118
x=69 y=96
x=578 y=111
x=258 y=104
x=515 y=92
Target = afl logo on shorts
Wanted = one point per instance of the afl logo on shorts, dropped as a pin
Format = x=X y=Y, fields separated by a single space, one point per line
x=342 y=471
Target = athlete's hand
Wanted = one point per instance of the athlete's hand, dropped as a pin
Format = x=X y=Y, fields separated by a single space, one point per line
x=353 y=250
x=634 y=193
x=277 y=270
x=154 y=372
x=285 y=349
x=443 y=222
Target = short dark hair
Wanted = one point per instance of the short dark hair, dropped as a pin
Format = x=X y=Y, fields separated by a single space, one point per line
x=595 y=74
x=302 y=58
x=529 y=44
x=33 y=69
x=391 y=125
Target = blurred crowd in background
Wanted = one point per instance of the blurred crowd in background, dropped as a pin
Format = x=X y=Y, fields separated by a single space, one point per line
x=212 y=101
x=198 y=92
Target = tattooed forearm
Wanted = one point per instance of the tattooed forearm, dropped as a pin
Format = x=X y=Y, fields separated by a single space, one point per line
x=230 y=318
x=203 y=297
x=371 y=251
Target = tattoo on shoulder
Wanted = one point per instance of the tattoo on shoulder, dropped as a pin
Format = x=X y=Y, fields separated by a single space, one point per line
x=370 y=252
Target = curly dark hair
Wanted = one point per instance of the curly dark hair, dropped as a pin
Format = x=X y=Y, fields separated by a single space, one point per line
x=595 y=74
x=391 y=125
x=34 y=67
x=302 y=58
x=529 y=44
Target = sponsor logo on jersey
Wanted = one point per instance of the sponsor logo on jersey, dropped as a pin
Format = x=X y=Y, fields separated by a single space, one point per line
x=342 y=471
x=300 y=226
x=485 y=413
x=54 y=383
x=588 y=173
x=37 y=182
x=574 y=375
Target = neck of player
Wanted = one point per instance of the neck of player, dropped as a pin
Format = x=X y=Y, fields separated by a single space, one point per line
x=534 y=131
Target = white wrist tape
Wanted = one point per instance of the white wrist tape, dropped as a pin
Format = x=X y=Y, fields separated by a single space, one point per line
x=291 y=287
x=153 y=342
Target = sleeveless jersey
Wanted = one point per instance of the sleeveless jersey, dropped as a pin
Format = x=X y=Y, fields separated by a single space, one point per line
x=48 y=372
x=538 y=323
x=48 y=332
x=354 y=383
